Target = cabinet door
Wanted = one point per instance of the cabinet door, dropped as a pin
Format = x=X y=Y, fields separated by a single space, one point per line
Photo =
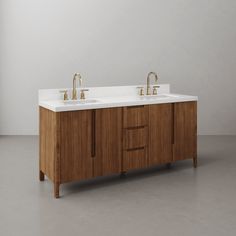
x=108 y=141
x=185 y=130
x=76 y=145
x=160 y=133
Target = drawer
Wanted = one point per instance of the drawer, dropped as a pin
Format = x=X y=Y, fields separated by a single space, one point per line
x=135 y=137
x=135 y=116
x=135 y=159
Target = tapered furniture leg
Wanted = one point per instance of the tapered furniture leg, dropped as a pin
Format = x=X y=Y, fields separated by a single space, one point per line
x=56 y=190
x=195 y=162
x=41 y=176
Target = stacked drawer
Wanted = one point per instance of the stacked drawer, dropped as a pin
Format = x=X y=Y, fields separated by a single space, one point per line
x=135 y=140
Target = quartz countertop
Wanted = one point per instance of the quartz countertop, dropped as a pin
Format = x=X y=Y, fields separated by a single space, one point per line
x=106 y=97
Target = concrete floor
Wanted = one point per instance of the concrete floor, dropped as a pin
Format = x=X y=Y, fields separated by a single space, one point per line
x=159 y=201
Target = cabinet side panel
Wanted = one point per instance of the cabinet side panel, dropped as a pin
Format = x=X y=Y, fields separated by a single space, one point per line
x=185 y=130
x=48 y=141
x=108 y=141
x=75 y=145
x=160 y=133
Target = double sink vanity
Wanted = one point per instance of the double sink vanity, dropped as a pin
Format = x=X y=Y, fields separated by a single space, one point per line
x=112 y=130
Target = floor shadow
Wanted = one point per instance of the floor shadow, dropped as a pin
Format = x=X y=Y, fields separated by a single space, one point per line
x=136 y=175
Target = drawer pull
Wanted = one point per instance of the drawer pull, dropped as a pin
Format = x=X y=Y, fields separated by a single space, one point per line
x=136 y=127
x=139 y=106
x=135 y=149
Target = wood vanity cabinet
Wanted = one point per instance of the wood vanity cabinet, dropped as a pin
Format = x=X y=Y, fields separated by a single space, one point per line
x=160 y=133
x=185 y=131
x=76 y=145
x=172 y=132
x=108 y=141
x=135 y=137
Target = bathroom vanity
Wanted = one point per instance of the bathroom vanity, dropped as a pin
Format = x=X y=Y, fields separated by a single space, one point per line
x=112 y=131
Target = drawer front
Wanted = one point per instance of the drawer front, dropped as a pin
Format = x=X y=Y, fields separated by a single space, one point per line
x=135 y=159
x=135 y=116
x=135 y=138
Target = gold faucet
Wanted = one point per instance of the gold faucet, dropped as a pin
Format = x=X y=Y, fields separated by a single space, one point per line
x=148 y=82
x=74 y=91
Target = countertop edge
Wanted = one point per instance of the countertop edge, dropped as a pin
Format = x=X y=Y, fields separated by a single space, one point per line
x=64 y=108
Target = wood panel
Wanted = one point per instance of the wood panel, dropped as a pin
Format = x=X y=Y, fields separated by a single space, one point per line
x=81 y=144
x=76 y=145
x=135 y=116
x=135 y=137
x=185 y=130
x=135 y=159
x=108 y=145
x=48 y=144
x=160 y=133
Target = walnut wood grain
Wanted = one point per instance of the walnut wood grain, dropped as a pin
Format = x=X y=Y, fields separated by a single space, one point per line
x=135 y=116
x=76 y=145
x=135 y=159
x=135 y=137
x=185 y=131
x=49 y=151
x=108 y=155
x=135 y=141
x=160 y=133
x=48 y=142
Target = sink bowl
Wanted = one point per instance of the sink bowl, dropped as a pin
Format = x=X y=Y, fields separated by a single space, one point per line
x=153 y=97
x=174 y=95
x=85 y=101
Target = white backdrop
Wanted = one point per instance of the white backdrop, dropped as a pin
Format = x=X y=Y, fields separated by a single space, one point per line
x=190 y=44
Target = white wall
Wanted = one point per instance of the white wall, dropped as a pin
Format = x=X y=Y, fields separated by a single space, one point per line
x=191 y=44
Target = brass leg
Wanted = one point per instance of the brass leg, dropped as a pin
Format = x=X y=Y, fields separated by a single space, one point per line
x=56 y=190
x=195 y=162
x=41 y=176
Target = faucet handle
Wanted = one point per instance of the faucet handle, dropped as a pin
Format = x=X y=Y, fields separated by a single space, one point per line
x=82 y=94
x=154 y=92
x=80 y=81
x=65 y=94
x=141 y=90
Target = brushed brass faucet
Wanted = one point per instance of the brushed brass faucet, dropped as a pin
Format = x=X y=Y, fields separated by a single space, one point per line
x=82 y=94
x=65 y=94
x=148 y=82
x=74 y=91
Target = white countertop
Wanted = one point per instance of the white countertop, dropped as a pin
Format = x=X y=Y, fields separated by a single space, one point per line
x=128 y=96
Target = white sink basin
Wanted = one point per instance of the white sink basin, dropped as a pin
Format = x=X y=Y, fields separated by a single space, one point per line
x=174 y=96
x=85 y=101
x=159 y=96
x=152 y=97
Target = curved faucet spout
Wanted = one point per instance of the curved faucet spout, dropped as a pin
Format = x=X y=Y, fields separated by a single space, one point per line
x=148 y=81
x=74 y=91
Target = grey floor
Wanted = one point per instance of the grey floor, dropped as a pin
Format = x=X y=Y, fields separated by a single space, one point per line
x=159 y=201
